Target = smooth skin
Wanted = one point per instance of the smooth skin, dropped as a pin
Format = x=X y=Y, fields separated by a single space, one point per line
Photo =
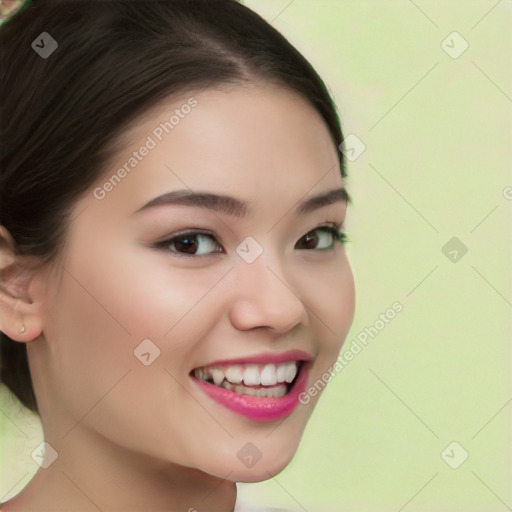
x=135 y=437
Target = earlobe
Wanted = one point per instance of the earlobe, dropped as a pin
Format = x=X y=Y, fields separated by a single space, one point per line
x=13 y=323
x=20 y=317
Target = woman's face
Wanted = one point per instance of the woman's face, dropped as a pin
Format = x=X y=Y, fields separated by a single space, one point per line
x=134 y=314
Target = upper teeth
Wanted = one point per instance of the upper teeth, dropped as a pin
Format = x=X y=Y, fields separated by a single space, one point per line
x=250 y=374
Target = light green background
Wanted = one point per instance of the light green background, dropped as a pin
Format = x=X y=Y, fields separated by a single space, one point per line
x=437 y=132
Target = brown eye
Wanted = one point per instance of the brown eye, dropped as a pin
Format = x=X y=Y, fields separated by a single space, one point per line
x=191 y=244
x=327 y=238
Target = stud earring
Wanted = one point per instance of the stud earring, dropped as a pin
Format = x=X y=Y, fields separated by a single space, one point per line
x=22 y=328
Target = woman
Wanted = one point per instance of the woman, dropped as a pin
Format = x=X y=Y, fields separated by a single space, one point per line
x=174 y=279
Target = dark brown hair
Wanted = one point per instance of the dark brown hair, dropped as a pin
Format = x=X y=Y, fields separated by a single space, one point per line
x=115 y=59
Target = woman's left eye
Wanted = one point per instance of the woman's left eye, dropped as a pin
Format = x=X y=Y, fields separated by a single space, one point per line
x=200 y=243
x=330 y=233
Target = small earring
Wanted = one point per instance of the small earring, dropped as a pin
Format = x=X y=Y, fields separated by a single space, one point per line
x=22 y=328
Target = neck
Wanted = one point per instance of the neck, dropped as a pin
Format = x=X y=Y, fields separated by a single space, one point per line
x=92 y=474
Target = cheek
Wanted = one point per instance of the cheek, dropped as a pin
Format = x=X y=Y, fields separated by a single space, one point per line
x=332 y=304
x=150 y=293
x=345 y=294
x=94 y=377
x=107 y=304
x=131 y=293
x=89 y=340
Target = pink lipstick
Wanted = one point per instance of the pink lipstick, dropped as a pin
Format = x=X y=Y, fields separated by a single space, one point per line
x=262 y=388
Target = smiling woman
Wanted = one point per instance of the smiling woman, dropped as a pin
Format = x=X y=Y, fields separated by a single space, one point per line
x=164 y=332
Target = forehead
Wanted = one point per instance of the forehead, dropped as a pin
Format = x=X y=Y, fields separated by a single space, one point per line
x=251 y=141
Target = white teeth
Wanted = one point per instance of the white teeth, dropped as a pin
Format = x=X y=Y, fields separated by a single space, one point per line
x=227 y=385
x=268 y=375
x=291 y=371
x=281 y=373
x=236 y=377
x=275 y=392
x=200 y=373
x=252 y=375
x=218 y=375
x=234 y=374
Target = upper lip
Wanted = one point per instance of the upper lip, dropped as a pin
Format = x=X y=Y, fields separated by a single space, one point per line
x=263 y=358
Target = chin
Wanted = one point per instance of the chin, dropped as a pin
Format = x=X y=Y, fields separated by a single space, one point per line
x=260 y=471
x=261 y=466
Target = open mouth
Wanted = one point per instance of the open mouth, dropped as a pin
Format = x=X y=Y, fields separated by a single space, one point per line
x=264 y=387
x=271 y=380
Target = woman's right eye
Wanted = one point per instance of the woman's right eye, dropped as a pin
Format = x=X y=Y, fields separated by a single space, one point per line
x=191 y=243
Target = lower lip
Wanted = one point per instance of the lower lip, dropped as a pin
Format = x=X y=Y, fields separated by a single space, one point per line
x=258 y=408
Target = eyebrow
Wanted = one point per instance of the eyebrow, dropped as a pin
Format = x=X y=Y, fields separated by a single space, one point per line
x=236 y=207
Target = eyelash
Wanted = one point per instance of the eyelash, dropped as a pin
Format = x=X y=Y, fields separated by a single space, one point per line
x=333 y=229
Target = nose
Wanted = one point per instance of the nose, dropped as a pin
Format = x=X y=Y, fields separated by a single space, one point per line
x=266 y=298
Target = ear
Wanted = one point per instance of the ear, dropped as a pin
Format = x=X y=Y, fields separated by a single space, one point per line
x=21 y=293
